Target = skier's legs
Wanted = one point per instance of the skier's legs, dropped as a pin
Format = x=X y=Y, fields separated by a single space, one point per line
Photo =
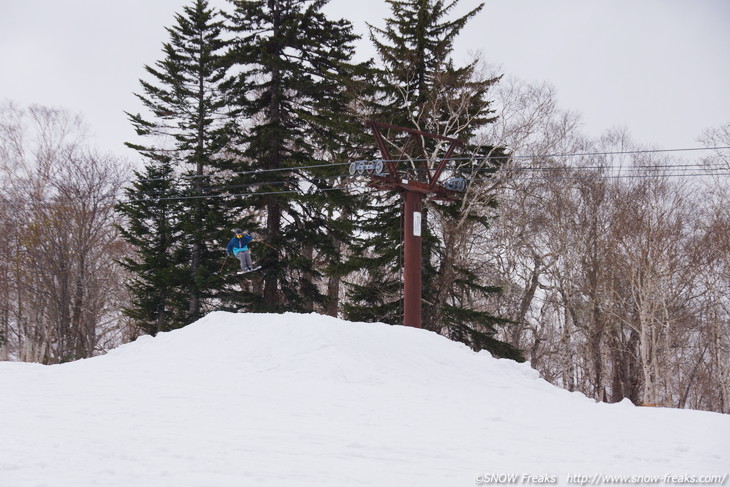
x=242 y=257
x=246 y=259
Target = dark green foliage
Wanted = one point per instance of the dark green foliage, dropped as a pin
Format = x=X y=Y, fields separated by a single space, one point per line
x=297 y=64
x=414 y=49
x=375 y=289
x=477 y=330
x=189 y=127
x=153 y=229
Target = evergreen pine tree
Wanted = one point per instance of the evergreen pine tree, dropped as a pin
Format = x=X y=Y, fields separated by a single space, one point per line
x=375 y=288
x=420 y=88
x=153 y=229
x=295 y=62
x=188 y=126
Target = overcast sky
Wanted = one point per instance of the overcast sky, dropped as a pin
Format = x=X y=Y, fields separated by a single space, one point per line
x=660 y=68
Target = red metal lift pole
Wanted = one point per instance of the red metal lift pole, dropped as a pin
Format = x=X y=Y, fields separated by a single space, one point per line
x=414 y=192
x=412 y=259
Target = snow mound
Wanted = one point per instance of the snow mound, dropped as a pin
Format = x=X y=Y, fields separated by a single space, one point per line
x=261 y=399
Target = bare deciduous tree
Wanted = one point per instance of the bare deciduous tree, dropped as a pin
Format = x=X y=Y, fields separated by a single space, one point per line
x=58 y=272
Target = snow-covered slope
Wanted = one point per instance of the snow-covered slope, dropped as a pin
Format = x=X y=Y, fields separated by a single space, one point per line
x=239 y=400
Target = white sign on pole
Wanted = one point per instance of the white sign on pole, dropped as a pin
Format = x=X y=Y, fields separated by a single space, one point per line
x=416 y=223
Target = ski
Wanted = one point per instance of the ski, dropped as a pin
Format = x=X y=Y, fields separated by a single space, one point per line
x=250 y=270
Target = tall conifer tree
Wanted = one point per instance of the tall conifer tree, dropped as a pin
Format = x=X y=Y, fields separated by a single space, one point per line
x=153 y=228
x=296 y=63
x=420 y=88
x=188 y=128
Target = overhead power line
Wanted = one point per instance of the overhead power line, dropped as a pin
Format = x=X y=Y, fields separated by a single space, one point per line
x=603 y=177
x=566 y=177
x=229 y=195
x=636 y=171
x=252 y=171
x=455 y=159
x=573 y=154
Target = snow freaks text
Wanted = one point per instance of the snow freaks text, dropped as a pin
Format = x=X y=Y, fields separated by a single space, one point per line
x=598 y=479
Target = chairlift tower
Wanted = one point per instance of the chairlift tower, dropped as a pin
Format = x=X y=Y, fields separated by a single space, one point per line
x=387 y=175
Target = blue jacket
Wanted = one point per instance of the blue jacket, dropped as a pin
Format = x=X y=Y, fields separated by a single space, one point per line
x=237 y=245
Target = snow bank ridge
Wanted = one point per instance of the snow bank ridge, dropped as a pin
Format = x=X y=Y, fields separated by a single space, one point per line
x=260 y=399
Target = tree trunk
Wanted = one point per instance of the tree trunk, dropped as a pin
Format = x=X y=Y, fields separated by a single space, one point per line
x=197 y=248
x=526 y=301
x=307 y=298
x=273 y=161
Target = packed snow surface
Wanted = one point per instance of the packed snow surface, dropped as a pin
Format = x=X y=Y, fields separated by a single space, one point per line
x=262 y=399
